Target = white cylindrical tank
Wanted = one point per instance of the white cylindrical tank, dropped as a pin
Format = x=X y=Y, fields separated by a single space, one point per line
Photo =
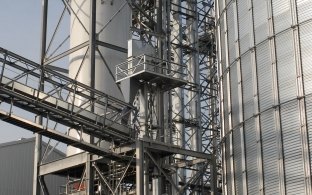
x=112 y=26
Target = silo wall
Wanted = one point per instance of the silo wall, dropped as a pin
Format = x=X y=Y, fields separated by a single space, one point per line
x=265 y=69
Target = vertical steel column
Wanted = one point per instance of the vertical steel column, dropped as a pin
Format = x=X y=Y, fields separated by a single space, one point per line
x=213 y=134
x=157 y=182
x=177 y=94
x=92 y=50
x=194 y=93
x=38 y=141
x=220 y=89
x=193 y=67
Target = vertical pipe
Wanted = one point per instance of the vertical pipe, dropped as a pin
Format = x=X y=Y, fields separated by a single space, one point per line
x=139 y=168
x=37 y=152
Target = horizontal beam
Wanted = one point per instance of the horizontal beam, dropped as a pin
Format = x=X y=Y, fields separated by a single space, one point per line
x=58 y=136
x=172 y=149
x=111 y=46
x=164 y=149
x=66 y=53
x=58 y=69
x=63 y=164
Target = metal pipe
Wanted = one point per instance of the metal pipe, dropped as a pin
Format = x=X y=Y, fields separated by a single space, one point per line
x=139 y=168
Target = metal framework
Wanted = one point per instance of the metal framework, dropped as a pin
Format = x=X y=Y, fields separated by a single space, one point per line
x=149 y=149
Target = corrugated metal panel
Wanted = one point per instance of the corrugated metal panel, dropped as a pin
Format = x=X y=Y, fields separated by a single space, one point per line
x=244 y=24
x=16 y=169
x=231 y=33
x=309 y=125
x=304 y=8
x=225 y=105
x=251 y=156
x=281 y=15
x=290 y=143
x=265 y=81
x=229 y=173
x=270 y=152
x=306 y=51
x=234 y=95
x=260 y=18
x=292 y=147
x=238 y=161
x=248 y=100
x=222 y=40
x=286 y=67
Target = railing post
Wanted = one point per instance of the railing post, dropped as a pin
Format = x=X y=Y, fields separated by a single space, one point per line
x=3 y=65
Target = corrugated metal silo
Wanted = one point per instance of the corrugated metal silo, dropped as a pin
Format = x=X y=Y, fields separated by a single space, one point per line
x=265 y=65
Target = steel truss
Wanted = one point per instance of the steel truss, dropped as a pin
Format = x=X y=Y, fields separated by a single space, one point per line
x=154 y=151
x=182 y=32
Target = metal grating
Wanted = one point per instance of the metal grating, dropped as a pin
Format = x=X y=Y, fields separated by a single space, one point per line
x=270 y=152
x=292 y=148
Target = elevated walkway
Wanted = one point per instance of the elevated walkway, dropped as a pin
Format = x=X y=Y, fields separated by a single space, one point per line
x=20 y=81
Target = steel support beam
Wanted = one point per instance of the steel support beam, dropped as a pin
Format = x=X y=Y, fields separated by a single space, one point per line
x=38 y=141
x=63 y=164
x=42 y=130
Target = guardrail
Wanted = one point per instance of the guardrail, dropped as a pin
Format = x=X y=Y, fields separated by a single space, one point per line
x=63 y=100
x=145 y=63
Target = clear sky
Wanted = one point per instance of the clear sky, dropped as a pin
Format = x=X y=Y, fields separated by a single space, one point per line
x=19 y=32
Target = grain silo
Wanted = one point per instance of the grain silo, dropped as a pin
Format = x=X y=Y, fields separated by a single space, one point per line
x=265 y=76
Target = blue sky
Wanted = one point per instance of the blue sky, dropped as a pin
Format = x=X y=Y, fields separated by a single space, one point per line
x=20 y=32
x=20 y=22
